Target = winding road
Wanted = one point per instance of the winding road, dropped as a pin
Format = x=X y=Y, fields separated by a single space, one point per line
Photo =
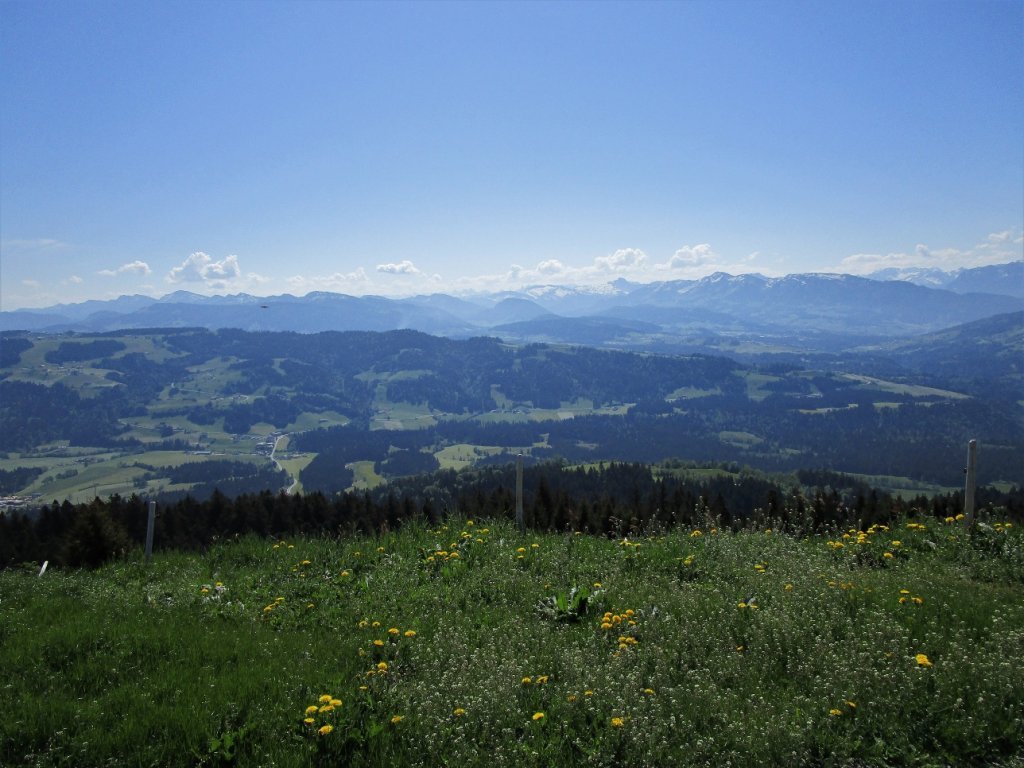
x=295 y=481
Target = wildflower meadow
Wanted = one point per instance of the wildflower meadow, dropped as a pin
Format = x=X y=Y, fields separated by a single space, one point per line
x=474 y=643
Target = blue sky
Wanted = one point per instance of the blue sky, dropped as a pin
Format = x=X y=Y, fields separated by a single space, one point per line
x=396 y=148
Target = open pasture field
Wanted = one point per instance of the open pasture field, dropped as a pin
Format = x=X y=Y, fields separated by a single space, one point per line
x=474 y=644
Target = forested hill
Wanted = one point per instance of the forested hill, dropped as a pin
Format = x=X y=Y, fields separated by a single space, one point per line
x=331 y=411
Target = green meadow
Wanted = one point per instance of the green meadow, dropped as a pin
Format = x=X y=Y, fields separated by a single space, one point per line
x=475 y=644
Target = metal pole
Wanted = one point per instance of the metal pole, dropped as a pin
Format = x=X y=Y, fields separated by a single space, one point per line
x=972 y=461
x=149 y=531
x=519 y=492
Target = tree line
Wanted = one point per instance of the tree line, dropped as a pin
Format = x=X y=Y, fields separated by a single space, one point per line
x=616 y=499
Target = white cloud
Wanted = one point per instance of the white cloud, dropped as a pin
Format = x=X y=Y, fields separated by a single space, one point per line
x=31 y=245
x=201 y=268
x=551 y=267
x=31 y=283
x=137 y=267
x=405 y=267
x=690 y=256
x=623 y=260
x=75 y=279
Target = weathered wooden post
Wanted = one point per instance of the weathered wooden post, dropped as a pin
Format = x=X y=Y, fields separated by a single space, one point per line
x=149 y=531
x=972 y=461
x=520 y=523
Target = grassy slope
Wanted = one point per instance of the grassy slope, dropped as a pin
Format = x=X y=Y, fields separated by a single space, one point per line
x=128 y=667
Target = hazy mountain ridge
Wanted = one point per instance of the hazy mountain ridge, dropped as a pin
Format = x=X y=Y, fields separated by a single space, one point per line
x=1001 y=279
x=724 y=313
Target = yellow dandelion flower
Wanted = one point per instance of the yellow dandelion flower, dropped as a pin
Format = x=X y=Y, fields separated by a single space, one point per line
x=648 y=691
x=325 y=698
x=397 y=719
x=269 y=608
x=308 y=720
x=789 y=587
x=835 y=712
x=597 y=585
x=520 y=550
x=535 y=545
x=571 y=698
x=378 y=643
x=375 y=624
x=588 y=693
x=410 y=633
x=459 y=712
x=345 y=573
x=364 y=688
x=606 y=625
x=538 y=716
x=380 y=549
x=526 y=680
x=616 y=619
x=335 y=702
x=917 y=600
x=312 y=708
x=887 y=555
x=903 y=600
x=393 y=631
x=695 y=533
x=741 y=605
x=618 y=722
x=326 y=708
x=382 y=666
x=922 y=660
x=904 y=591
x=204 y=591
x=325 y=729
x=851 y=704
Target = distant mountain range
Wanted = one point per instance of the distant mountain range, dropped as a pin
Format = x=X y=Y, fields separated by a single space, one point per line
x=1003 y=279
x=741 y=314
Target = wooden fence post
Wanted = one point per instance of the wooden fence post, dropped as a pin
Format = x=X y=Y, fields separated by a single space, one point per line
x=520 y=522
x=972 y=461
x=149 y=531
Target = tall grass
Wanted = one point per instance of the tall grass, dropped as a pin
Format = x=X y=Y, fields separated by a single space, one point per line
x=467 y=645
